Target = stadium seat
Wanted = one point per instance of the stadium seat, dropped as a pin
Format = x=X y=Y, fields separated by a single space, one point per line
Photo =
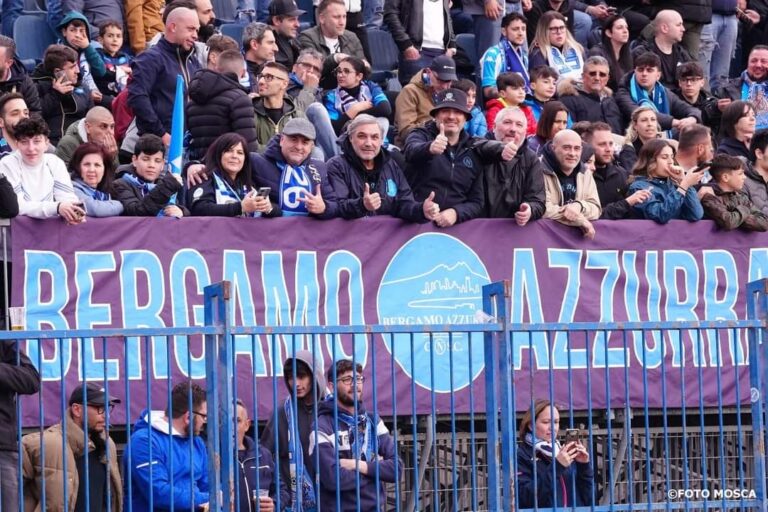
x=33 y=6
x=233 y=30
x=384 y=56
x=467 y=43
x=308 y=17
x=32 y=36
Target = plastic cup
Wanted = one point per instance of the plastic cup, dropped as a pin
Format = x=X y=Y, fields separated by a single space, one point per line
x=18 y=317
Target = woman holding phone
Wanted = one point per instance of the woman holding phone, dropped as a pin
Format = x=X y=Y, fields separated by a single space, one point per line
x=229 y=191
x=571 y=482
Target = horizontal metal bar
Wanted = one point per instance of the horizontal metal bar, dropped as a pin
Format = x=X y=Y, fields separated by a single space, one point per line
x=677 y=505
x=368 y=329
x=110 y=333
x=637 y=326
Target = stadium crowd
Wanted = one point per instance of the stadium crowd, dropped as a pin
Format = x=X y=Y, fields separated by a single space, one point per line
x=573 y=111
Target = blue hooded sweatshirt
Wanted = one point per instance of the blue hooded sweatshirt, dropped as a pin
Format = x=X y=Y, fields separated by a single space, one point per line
x=153 y=454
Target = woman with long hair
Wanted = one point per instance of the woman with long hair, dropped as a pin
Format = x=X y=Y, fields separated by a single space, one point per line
x=229 y=192
x=92 y=174
x=673 y=195
x=614 y=47
x=538 y=450
x=643 y=127
x=737 y=127
x=554 y=118
x=555 y=46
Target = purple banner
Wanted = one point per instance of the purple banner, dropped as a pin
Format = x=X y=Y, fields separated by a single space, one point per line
x=151 y=272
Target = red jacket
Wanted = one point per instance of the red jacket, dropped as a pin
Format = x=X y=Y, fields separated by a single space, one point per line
x=493 y=106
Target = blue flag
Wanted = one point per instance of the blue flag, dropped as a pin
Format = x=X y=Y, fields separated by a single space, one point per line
x=177 y=132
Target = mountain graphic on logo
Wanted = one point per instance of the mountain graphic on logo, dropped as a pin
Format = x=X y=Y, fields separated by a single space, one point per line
x=442 y=287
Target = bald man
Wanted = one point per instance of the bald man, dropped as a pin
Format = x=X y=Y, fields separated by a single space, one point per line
x=98 y=127
x=152 y=91
x=668 y=32
x=571 y=192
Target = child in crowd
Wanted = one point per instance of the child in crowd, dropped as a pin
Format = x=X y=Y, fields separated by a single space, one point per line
x=724 y=200
x=140 y=186
x=116 y=61
x=476 y=126
x=543 y=87
x=75 y=34
x=511 y=87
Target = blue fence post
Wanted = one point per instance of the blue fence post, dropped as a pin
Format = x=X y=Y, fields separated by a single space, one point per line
x=496 y=350
x=757 y=308
x=219 y=374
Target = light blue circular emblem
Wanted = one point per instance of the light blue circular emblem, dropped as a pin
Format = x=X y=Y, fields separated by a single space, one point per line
x=391 y=187
x=434 y=279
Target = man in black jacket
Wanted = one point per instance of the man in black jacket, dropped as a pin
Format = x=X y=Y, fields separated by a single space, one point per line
x=368 y=180
x=441 y=159
x=14 y=78
x=219 y=104
x=668 y=31
x=593 y=101
x=610 y=176
x=284 y=20
x=513 y=180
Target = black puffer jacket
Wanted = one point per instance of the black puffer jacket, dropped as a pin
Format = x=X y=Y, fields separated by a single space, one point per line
x=584 y=106
x=217 y=105
x=20 y=82
x=23 y=379
x=59 y=110
x=135 y=203
x=509 y=184
x=611 y=182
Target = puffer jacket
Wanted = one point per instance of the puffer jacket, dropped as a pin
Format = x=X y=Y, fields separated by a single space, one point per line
x=586 y=190
x=732 y=210
x=405 y=19
x=412 y=107
x=348 y=177
x=456 y=176
x=59 y=110
x=666 y=203
x=265 y=127
x=756 y=189
x=49 y=472
x=19 y=81
x=509 y=184
x=217 y=105
x=586 y=106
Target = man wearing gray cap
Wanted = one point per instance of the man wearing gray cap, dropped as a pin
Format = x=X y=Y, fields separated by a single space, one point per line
x=297 y=182
x=87 y=447
x=416 y=100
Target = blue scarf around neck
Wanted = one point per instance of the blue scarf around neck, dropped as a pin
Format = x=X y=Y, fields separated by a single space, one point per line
x=299 y=474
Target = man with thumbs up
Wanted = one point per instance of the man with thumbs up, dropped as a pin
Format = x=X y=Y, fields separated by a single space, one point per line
x=442 y=159
x=368 y=180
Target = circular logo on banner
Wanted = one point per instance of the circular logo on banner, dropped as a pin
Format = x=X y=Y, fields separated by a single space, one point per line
x=434 y=279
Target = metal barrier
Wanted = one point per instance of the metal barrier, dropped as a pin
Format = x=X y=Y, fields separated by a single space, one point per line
x=5 y=256
x=662 y=436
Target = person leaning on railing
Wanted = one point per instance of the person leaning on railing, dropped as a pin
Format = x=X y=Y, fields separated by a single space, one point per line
x=538 y=450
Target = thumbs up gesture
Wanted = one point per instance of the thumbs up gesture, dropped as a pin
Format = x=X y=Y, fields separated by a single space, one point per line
x=371 y=202
x=509 y=151
x=430 y=208
x=440 y=143
x=314 y=202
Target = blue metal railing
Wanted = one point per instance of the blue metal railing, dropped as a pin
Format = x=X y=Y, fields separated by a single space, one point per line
x=659 y=435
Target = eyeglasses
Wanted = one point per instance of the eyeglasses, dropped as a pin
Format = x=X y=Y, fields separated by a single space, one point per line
x=691 y=79
x=307 y=65
x=268 y=78
x=348 y=380
x=202 y=415
x=560 y=28
x=597 y=73
x=344 y=71
x=101 y=408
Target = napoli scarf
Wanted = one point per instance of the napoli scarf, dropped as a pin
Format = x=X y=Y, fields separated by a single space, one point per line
x=226 y=194
x=757 y=94
x=299 y=475
x=295 y=181
x=139 y=183
x=659 y=102
x=344 y=100
x=98 y=195
x=361 y=435
x=568 y=65
x=515 y=62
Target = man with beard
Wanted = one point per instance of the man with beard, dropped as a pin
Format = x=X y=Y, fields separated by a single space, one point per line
x=510 y=55
x=752 y=85
x=259 y=47
x=207 y=19
x=86 y=447
x=357 y=453
x=443 y=163
x=13 y=108
x=169 y=461
x=368 y=180
x=13 y=76
x=610 y=177
x=284 y=20
x=513 y=179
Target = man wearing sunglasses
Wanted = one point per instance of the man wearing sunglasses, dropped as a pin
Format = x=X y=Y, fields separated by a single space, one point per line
x=81 y=441
x=357 y=452
x=593 y=101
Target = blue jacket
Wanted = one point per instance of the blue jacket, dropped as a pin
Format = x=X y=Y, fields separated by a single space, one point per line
x=327 y=439
x=151 y=475
x=346 y=173
x=266 y=173
x=666 y=203
x=257 y=471
x=477 y=126
x=152 y=89
x=577 y=476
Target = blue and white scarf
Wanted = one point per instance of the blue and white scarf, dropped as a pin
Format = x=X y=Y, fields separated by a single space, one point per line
x=541 y=447
x=344 y=100
x=516 y=62
x=227 y=195
x=361 y=435
x=569 y=65
x=659 y=102
x=298 y=470
x=757 y=94
x=295 y=182
x=135 y=181
x=97 y=194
